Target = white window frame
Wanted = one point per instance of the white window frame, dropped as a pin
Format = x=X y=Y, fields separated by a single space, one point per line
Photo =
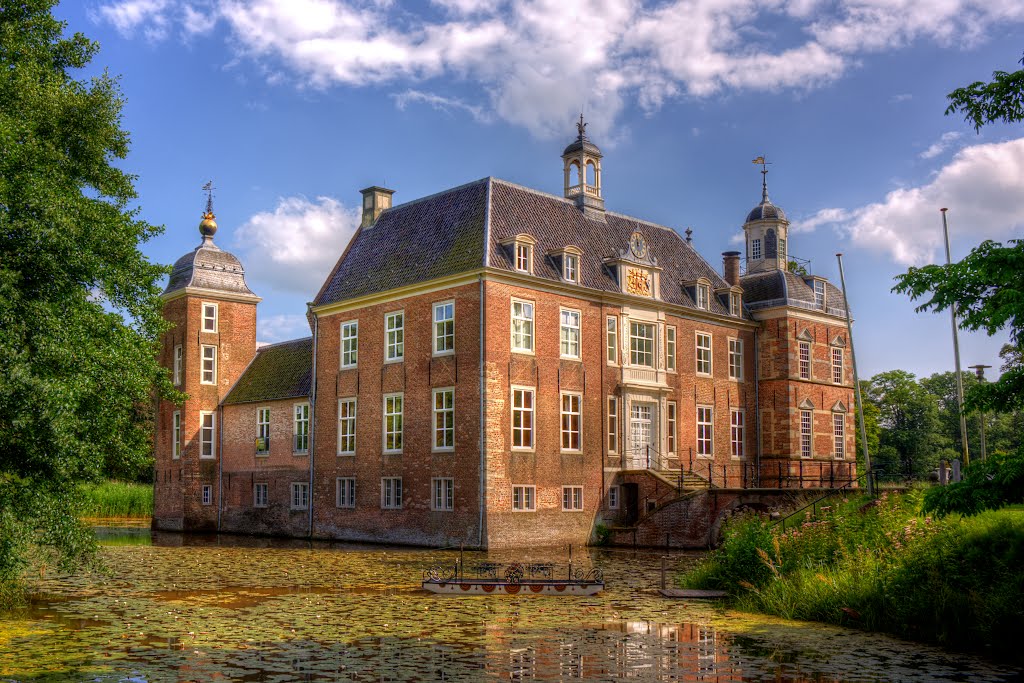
x=755 y=249
x=612 y=339
x=570 y=336
x=614 y=496
x=705 y=432
x=530 y=412
x=526 y=323
x=738 y=433
x=804 y=359
x=443 y=420
x=345 y=493
x=735 y=358
x=572 y=499
x=394 y=337
x=397 y=417
x=300 y=416
x=782 y=252
x=442 y=494
x=819 y=293
x=203 y=428
x=571 y=268
x=806 y=434
x=206 y=494
x=212 y=359
x=648 y=342
x=348 y=413
x=703 y=297
x=522 y=254
x=210 y=322
x=263 y=430
x=299 y=495
x=524 y=498
x=839 y=436
x=176 y=435
x=735 y=304
x=670 y=348
x=443 y=329
x=704 y=366
x=349 y=335
x=672 y=432
x=613 y=424
x=838 y=369
x=257 y=500
x=178 y=360
x=391 y=493
x=571 y=421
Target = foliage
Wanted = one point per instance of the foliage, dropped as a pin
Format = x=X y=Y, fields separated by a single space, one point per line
x=987 y=287
x=1000 y=100
x=117 y=499
x=871 y=427
x=883 y=567
x=79 y=304
x=910 y=443
x=987 y=485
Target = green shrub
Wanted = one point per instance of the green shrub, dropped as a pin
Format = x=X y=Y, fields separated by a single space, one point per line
x=987 y=485
x=118 y=499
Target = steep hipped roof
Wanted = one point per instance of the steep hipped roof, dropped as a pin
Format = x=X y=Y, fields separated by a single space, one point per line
x=278 y=371
x=445 y=234
x=766 y=289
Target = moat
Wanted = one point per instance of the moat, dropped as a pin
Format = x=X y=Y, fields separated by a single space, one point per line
x=175 y=607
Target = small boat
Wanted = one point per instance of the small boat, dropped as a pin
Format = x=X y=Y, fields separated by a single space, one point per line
x=493 y=578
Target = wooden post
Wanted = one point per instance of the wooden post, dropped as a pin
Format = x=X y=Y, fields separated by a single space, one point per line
x=663 y=571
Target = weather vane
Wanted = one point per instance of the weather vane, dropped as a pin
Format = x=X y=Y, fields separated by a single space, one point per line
x=764 y=177
x=208 y=188
x=581 y=127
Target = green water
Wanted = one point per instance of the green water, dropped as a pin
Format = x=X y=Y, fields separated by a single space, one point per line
x=181 y=608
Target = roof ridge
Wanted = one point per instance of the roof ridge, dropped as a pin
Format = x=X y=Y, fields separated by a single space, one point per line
x=282 y=343
x=436 y=194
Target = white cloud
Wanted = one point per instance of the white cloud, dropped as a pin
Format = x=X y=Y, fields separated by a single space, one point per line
x=536 y=63
x=295 y=246
x=440 y=103
x=275 y=328
x=981 y=186
x=901 y=97
x=940 y=146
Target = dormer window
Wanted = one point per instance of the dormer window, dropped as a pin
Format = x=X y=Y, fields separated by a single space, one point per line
x=703 y=296
x=520 y=251
x=524 y=256
x=571 y=268
x=819 y=294
x=735 y=304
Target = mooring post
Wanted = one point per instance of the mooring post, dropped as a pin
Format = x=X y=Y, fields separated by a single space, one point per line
x=663 y=571
x=462 y=573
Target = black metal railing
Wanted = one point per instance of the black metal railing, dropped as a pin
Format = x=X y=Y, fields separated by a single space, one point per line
x=814 y=504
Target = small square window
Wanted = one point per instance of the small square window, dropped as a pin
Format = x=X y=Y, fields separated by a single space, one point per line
x=572 y=498
x=524 y=498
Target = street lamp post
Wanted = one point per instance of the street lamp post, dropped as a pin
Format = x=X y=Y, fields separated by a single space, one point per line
x=980 y=371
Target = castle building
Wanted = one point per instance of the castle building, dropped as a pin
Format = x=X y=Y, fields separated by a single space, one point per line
x=496 y=366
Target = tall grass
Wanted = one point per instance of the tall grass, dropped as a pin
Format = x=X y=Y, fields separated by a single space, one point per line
x=118 y=499
x=885 y=567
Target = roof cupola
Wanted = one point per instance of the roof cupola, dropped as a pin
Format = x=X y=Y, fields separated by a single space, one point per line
x=766 y=230
x=581 y=168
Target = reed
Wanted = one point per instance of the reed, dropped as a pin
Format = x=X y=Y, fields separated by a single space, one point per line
x=117 y=499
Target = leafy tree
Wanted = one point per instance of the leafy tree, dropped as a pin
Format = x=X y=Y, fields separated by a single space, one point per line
x=79 y=304
x=910 y=442
x=1000 y=100
x=871 y=427
x=987 y=485
x=1001 y=433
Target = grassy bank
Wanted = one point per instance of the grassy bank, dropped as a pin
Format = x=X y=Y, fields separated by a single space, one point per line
x=882 y=566
x=118 y=499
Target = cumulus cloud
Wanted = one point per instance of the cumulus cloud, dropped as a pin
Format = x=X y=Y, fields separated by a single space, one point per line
x=981 y=186
x=536 y=63
x=940 y=146
x=295 y=246
x=275 y=328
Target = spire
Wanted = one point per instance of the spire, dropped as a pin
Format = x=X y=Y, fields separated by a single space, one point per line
x=582 y=128
x=208 y=226
x=764 y=179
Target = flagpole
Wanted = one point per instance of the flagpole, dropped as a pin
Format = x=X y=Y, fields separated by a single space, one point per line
x=856 y=383
x=956 y=355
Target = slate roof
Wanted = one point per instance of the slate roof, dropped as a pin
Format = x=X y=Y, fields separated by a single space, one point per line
x=278 y=371
x=208 y=267
x=766 y=211
x=444 y=234
x=778 y=287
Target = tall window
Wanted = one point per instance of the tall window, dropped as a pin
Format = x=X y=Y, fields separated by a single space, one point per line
x=837 y=365
x=570 y=333
x=735 y=304
x=641 y=344
x=670 y=348
x=301 y=430
x=613 y=424
x=819 y=293
x=262 y=431
x=613 y=339
x=176 y=435
x=394 y=335
x=613 y=497
x=177 y=364
x=350 y=344
x=703 y=353
x=345 y=492
x=805 y=360
x=572 y=498
x=524 y=498
x=444 y=419
x=209 y=317
x=806 y=435
x=443 y=497
x=672 y=420
x=444 y=327
x=393 y=423
x=522 y=418
x=207 y=494
x=207 y=435
x=755 y=248
x=735 y=358
x=571 y=422
x=522 y=326
x=391 y=493
x=737 y=432
x=209 y=369
x=705 y=431
x=704 y=297
x=839 y=435
x=259 y=495
x=782 y=249
x=571 y=267
x=523 y=253
x=347 y=426
x=300 y=495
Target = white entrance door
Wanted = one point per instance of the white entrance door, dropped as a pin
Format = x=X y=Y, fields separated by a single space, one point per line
x=639 y=435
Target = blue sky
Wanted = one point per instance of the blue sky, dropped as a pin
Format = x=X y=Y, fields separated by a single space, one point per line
x=292 y=106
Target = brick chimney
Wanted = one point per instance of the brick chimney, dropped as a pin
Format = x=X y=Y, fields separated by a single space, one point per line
x=731 y=267
x=375 y=200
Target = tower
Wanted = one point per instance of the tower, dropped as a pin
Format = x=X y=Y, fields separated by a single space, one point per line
x=210 y=343
x=581 y=167
x=766 y=231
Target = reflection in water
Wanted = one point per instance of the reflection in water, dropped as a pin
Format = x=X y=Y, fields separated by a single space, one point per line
x=200 y=608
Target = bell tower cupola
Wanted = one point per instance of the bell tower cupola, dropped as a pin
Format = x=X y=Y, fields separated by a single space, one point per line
x=581 y=167
x=766 y=231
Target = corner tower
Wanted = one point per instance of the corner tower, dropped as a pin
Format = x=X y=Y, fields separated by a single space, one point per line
x=212 y=339
x=581 y=168
x=766 y=230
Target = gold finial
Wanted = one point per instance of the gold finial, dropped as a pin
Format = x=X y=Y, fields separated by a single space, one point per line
x=208 y=226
